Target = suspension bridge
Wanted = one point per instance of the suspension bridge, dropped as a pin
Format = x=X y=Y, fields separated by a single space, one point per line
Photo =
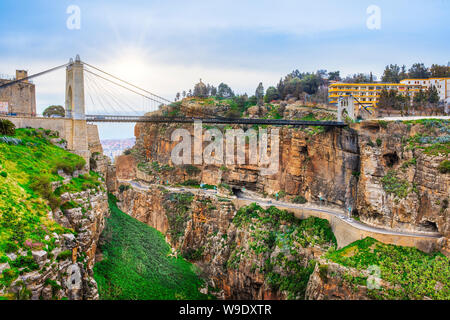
x=95 y=95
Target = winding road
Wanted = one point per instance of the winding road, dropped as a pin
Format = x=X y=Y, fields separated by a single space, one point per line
x=281 y=204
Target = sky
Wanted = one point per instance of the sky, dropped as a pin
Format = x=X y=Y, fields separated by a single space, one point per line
x=167 y=46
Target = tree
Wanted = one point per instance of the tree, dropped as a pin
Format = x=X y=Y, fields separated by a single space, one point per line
x=7 y=128
x=358 y=78
x=259 y=93
x=334 y=76
x=271 y=94
x=54 y=110
x=438 y=71
x=418 y=71
x=213 y=91
x=177 y=97
x=280 y=88
x=183 y=94
x=432 y=95
x=310 y=83
x=224 y=91
x=391 y=74
x=252 y=101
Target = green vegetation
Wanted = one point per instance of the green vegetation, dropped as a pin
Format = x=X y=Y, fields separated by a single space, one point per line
x=25 y=190
x=178 y=213
x=412 y=273
x=444 y=166
x=273 y=228
x=435 y=140
x=7 y=128
x=191 y=170
x=54 y=111
x=124 y=187
x=137 y=266
x=392 y=184
x=299 y=199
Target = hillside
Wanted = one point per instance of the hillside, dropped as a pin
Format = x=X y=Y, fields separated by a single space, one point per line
x=47 y=217
x=134 y=253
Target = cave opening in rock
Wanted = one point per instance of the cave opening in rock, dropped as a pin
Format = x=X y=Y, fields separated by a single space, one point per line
x=390 y=159
x=236 y=191
x=430 y=225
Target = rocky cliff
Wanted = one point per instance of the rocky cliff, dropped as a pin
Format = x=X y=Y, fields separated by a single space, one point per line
x=52 y=214
x=241 y=258
x=386 y=174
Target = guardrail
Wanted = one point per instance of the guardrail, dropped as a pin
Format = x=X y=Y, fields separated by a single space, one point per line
x=250 y=121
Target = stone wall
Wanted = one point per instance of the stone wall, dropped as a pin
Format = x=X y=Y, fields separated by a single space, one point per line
x=21 y=97
x=93 y=138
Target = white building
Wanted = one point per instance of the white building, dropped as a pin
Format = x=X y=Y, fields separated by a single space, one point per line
x=442 y=85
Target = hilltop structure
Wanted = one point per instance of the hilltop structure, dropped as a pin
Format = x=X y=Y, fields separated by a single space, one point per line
x=20 y=98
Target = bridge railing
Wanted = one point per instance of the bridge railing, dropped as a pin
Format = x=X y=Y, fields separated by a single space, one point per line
x=250 y=121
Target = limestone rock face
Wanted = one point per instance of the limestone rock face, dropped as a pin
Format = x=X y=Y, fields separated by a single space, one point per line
x=424 y=206
x=126 y=167
x=340 y=167
x=208 y=237
x=66 y=271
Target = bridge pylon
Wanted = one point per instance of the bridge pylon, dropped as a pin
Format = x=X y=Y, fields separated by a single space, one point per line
x=75 y=109
x=75 y=104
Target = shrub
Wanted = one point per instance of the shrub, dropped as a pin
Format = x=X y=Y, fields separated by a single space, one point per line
x=299 y=199
x=379 y=142
x=392 y=184
x=7 y=128
x=69 y=165
x=444 y=166
x=323 y=272
x=190 y=182
x=124 y=187
x=43 y=187
x=191 y=170
x=63 y=255
x=3 y=174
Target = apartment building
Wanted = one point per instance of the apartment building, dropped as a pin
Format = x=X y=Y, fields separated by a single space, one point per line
x=368 y=94
x=442 y=85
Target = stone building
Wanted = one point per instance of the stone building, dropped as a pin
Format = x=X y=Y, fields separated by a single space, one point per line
x=20 y=98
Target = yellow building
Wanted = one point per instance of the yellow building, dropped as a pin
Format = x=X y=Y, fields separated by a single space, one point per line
x=368 y=94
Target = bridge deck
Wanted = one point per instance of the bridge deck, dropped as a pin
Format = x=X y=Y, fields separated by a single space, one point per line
x=153 y=119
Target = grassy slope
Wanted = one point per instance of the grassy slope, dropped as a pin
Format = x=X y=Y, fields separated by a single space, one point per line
x=414 y=272
x=136 y=263
x=23 y=211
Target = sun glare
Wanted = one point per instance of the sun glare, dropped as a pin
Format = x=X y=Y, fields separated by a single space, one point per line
x=131 y=64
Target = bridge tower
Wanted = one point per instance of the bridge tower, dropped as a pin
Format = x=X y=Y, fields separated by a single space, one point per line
x=77 y=137
x=346 y=104
x=75 y=107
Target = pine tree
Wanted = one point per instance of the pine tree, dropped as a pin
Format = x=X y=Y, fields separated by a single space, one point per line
x=259 y=94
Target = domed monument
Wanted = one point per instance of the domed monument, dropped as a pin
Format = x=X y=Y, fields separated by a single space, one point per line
x=200 y=90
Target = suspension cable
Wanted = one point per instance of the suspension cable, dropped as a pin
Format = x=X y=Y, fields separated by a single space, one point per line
x=130 y=84
x=32 y=76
